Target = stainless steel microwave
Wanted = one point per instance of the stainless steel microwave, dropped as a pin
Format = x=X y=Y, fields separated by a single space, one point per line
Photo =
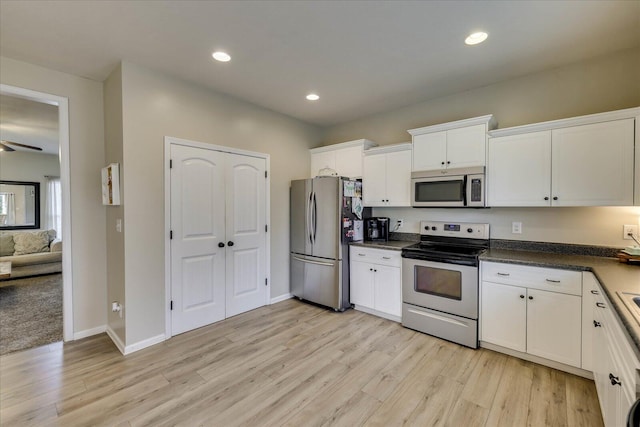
x=463 y=187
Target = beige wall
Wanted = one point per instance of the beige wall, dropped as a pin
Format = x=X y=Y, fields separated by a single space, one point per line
x=31 y=167
x=115 y=239
x=602 y=84
x=86 y=135
x=155 y=106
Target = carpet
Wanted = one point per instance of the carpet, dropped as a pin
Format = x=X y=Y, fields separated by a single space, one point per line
x=30 y=312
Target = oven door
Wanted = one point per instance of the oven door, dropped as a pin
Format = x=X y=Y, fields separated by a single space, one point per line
x=449 y=288
x=441 y=191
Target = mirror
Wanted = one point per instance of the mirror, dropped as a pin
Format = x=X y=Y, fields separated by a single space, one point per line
x=19 y=205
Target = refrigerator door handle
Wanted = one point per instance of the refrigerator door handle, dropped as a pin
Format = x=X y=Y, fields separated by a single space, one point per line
x=315 y=217
x=328 y=264
x=309 y=218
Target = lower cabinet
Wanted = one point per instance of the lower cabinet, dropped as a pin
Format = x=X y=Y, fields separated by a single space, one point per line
x=375 y=281
x=537 y=311
x=614 y=362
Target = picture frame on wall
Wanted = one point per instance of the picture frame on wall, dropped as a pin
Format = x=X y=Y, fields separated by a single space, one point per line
x=111 y=185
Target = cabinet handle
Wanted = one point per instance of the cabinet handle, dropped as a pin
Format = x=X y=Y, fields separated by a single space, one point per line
x=555 y=197
x=386 y=257
x=553 y=281
x=443 y=163
x=371 y=269
x=614 y=380
x=522 y=296
x=530 y=297
x=597 y=324
x=448 y=162
x=229 y=243
x=546 y=198
x=601 y=305
x=221 y=244
x=375 y=271
x=503 y=274
x=595 y=292
x=361 y=255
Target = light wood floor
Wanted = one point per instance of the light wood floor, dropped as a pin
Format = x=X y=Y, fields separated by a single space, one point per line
x=289 y=364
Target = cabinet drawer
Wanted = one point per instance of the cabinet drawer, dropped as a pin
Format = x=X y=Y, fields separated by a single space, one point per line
x=546 y=279
x=376 y=256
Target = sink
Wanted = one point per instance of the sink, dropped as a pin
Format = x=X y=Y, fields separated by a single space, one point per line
x=632 y=301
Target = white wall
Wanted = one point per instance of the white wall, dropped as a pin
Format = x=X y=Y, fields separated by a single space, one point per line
x=87 y=157
x=157 y=105
x=602 y=84
x=31 y=167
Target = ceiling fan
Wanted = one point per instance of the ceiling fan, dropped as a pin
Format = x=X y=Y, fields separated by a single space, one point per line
x=5 y=146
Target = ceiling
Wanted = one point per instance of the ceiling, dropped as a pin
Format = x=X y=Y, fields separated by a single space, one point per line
x=361 y=57
x=29 y=122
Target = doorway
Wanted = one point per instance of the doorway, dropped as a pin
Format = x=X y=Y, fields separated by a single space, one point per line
x=64 y=186
x=216 y=202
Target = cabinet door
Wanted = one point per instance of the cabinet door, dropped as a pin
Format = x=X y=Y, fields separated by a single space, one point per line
x=399 y=178
x=554 y=326
x=504 y=316
x=430 y=151
x=349 y=161
x=361 y=284
x=324 y=159
x=374 y=181
x=593 y=164
x=519 y=170
x=466 y=146
x=387 y=291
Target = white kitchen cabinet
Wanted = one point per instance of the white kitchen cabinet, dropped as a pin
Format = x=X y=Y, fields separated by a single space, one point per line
x=504 y=315
x=584 y=161
x=592 y=165
x=519 y=170
x=344 y=158
x=457 y=144
x=614 y=361
x=386 y=176
x=537 y=311
x=375 y=281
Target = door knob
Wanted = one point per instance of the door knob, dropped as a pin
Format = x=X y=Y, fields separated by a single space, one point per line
x=221 y=245
x=230 y=243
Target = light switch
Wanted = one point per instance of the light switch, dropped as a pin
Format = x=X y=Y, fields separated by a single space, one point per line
x=119 y=225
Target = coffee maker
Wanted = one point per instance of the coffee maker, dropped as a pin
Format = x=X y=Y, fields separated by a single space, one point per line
x=376 y=229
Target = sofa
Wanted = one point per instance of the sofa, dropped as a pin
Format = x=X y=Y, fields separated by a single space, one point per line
x=31 y=252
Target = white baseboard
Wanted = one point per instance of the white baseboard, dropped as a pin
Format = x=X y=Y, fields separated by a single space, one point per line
x=128 y=349
x=89 y=332
x=281 y=298
x=378 y=313
x=116 y=339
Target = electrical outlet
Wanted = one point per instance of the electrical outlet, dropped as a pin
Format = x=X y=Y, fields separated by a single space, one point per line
x=516 y=228
x=400 y=223
x=626 y=229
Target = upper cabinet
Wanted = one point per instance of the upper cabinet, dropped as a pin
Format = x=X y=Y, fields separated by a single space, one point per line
x=585 y=161
x=386 y=176
x=457 y=144
x=344 y=158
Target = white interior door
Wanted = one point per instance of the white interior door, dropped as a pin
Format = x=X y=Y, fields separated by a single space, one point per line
x=246 y=233
x=198 y=227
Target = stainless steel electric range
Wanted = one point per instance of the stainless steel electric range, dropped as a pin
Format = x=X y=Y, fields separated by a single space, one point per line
x=440 y=280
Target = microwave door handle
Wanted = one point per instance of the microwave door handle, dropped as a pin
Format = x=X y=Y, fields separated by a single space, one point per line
x=465 y=197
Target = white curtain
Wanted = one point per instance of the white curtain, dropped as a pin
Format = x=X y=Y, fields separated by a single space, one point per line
x=10 y=209
x=53 y=211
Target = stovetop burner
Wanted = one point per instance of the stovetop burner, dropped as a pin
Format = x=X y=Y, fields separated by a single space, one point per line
x=450 y=243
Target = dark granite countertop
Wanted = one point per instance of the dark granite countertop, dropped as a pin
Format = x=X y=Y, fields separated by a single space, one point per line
x=613 y=276
x=394 y=245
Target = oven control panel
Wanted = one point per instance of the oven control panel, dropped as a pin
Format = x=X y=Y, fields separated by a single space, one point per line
x=466 y=230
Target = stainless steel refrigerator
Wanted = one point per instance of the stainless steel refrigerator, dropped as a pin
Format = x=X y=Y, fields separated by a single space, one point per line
x=323 y=222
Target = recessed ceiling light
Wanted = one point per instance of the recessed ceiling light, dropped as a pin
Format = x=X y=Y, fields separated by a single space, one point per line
x=476 y=38
x=313 y=97
x=221 y=56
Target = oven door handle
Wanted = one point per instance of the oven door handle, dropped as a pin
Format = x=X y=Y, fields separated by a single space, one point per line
x=437 y=317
